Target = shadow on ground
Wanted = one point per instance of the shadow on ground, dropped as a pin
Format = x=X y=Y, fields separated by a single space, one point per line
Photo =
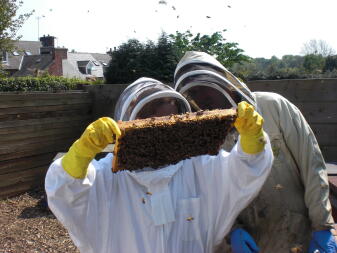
x=40 y=209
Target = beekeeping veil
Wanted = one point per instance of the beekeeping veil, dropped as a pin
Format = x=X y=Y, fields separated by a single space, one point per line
x=198 y=69
x=142 y=92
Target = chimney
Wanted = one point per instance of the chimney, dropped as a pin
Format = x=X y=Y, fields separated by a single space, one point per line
x=48 y=41
x=61 y=53
x=110 y=51
x=58 y=54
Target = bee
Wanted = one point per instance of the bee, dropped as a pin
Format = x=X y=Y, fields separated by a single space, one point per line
x=297 y=249
x=189 y=218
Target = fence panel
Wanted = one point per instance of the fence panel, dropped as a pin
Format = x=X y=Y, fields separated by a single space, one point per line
x=34 y=127
x=317 y=100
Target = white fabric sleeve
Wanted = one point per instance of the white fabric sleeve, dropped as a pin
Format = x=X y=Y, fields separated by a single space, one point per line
x=68 y=198
x=236 y=179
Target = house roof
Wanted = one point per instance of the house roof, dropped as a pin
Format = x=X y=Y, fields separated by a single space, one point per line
x=75 y=60
x=28 y=46
x=32 y=63
x=27 y=59
x=102 y=58
x=13 y=62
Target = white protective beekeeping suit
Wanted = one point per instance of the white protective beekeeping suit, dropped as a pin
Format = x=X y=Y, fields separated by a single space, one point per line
x=185 y=207
x=294 y=201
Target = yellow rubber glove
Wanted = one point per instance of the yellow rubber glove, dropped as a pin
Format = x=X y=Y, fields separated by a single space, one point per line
x=249 y=125
x=94 y=139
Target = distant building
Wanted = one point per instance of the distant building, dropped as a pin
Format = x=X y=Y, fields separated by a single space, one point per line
x=33 y=58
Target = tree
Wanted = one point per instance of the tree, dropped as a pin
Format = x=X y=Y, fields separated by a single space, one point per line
x=317 y=47
x=125 y=64
x=227 y=53
x=313 y=63
x=330 y=63
x=292 y=61
x=134 y=59
x=158 y=60
x=10 y=24
x=289 y=67
x=166 y=59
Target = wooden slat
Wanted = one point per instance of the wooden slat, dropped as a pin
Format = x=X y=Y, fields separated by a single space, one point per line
x=75 y=131
x=39 y=115
x=37 y=102
x=33 y=143
x=19 y=188
x=30 y=143
x=57 y=146
x=48 y=108
x=309 y=90
x=11 y=166
x=30 y=122
x=326 y=134
x=11 y=96
x=79 y=123
x=329 y=153
x=319 y=112
x=22 y=176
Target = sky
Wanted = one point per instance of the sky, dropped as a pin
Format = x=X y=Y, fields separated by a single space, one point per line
x=262 y=28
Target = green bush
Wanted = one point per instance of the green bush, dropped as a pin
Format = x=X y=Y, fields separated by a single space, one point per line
x=49 y=83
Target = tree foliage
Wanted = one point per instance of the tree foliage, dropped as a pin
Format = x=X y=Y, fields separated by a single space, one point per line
x=158 y=60
x=227 y=53
x=134 y=59
x=10 y=23
x=330 y=63
x=288 y=67
x=313 y=63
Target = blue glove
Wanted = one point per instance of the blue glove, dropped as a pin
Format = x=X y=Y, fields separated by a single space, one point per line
x=323 y=241
x=242 y=242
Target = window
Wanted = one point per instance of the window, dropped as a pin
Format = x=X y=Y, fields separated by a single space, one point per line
x=15 y=53
x=4 y=56
x=90 y=68
x=96 y=63
x=83 y=70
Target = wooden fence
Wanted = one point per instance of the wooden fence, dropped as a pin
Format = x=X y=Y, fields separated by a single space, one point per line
x=317 y=100
x=33 y=128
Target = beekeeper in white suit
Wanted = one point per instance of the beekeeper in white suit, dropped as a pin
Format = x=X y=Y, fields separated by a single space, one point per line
x=292 y=213
x=185 y=207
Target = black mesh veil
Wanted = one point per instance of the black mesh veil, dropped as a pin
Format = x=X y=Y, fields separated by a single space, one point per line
x=198 y=69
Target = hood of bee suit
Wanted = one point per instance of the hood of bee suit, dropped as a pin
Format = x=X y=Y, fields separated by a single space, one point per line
x=201 y=69
x=143 y=91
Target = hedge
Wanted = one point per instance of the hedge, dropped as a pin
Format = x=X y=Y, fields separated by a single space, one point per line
x=49 y=83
